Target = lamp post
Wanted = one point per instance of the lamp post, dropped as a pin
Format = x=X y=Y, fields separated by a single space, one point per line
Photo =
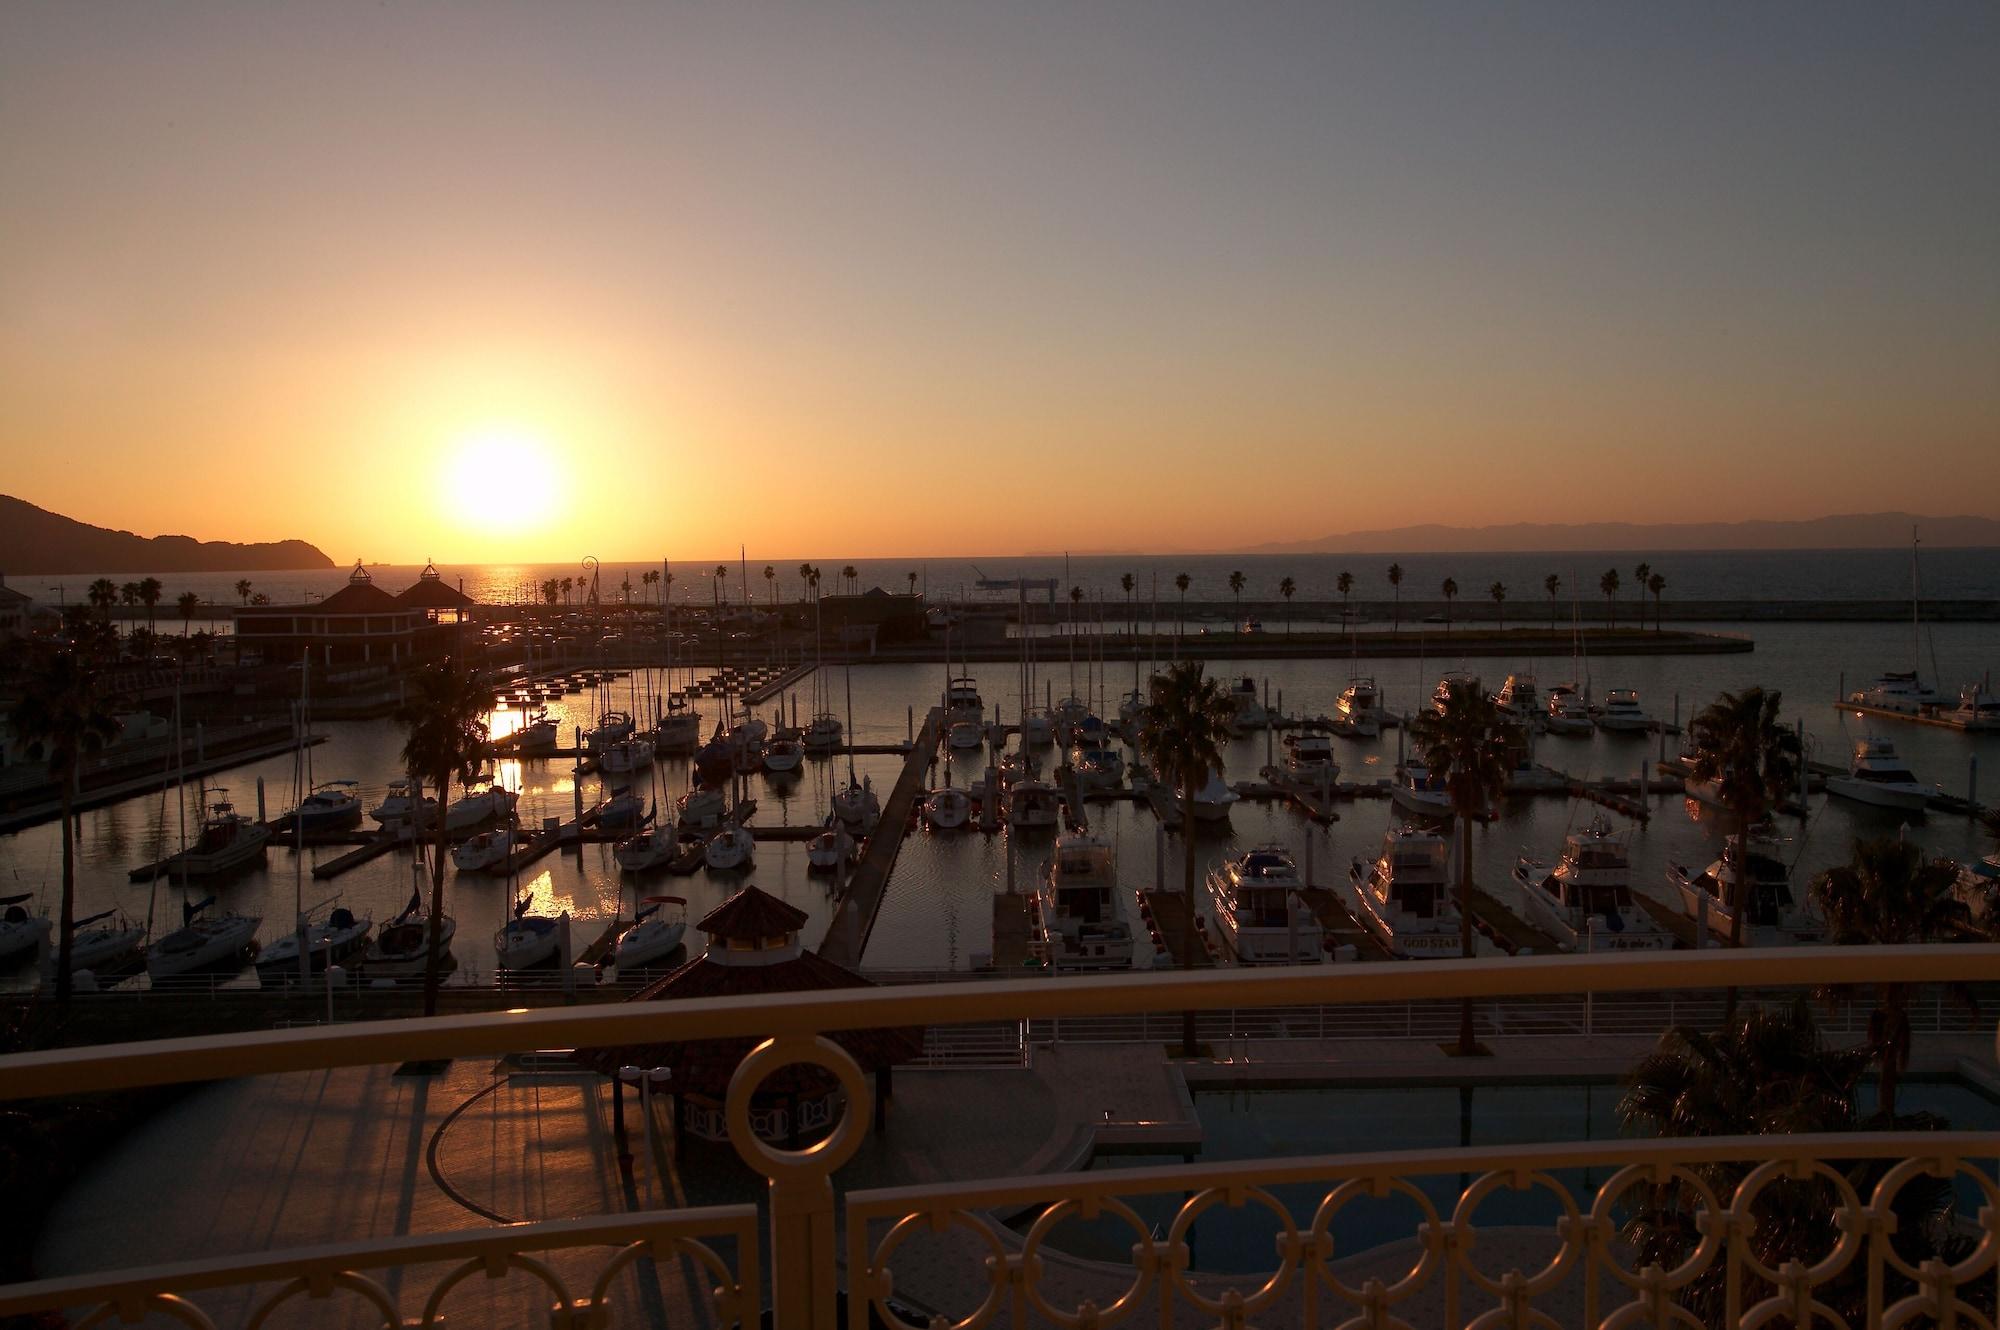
x=648 y=1079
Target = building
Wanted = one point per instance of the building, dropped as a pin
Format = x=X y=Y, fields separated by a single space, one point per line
x=360 y=624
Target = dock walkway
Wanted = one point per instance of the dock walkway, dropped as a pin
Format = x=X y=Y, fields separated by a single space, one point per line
x=847 y=932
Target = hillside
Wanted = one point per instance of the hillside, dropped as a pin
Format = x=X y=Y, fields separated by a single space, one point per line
x=34 y=541
x=1847 y=531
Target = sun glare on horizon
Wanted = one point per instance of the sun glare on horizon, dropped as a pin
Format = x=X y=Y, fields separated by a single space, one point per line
x=502 y=481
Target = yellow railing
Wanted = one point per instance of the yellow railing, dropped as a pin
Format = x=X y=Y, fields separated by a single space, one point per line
x=1004 y=1278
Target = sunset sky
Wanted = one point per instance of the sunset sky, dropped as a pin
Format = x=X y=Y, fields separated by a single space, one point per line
x=488 y=281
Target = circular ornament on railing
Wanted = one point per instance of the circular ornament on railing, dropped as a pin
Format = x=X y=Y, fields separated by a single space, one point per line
x=1710 y=1221
x=1431 y=1230
x=824 y=1156
x=881 y=1280
x=1145 y=1259
x=1568 y=1227
x=1848 y=1218
x=495 y=1266
x=370 y=1291
x=171 y=1305
x=728 y=1293
x=1981 y=1257
x=1233 y=1305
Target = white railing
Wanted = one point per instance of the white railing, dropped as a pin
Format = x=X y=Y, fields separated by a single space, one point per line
x=945 y=1248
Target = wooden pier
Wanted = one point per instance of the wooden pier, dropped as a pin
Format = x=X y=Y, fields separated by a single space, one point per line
x=1340 y=925
x=1013 y=941
x=1509 y=931
x=1167 y=911
x=381 y=844
x=854 y=918
x=763 y=692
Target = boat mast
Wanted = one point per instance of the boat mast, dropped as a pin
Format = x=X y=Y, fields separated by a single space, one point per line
x=299 y=822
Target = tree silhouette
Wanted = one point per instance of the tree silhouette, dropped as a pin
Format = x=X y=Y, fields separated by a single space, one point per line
x=1450 y=590
x=1553 y=585
x=1287 y=589
x=1608 y=584
x=1499 y=593
x=1396 y=585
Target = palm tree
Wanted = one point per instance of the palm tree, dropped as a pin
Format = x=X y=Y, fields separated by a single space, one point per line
x=1499 y=593
x=1467 y=744
x=1450 y=589
x=103 y=595
x=1344 y=584
x=444 y=721
x=1608 y=584
x=243 y=589
x=1185 y=723
x=1396 y=585
x=1236 y=581
x=1288 y=588
x=1888 y=895
x=853 y=576
x=187 y=603
x=1181 y=582
x=1131 y=615
x=150 y=591
x=1656 y=584
x=568 y=585
x=1553 y=585
x=1639 y=576
x=1752 y=759
x=61 y=715
x=805 y=579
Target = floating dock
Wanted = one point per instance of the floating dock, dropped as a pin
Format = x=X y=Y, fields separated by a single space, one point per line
x=854 y=919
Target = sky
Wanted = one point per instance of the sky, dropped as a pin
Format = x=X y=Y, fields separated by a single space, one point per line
x=487 y=281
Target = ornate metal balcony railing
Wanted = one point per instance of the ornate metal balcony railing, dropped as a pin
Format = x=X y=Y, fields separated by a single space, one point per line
x=1567 y=1267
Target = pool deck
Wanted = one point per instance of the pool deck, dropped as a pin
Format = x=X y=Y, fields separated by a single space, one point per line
x=306 y=1158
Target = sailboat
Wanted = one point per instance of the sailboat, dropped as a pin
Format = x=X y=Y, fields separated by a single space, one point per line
x=401 y=948
x=654 y=934
x=527 y=940
x=21 y=933
x=103 y=943
x=1904 y=691
x=327 y=940
x=224 y=941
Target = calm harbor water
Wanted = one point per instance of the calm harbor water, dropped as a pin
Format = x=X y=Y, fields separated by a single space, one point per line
x=937 y=914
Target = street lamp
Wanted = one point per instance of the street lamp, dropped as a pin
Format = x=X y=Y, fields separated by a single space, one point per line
x=649 y=1080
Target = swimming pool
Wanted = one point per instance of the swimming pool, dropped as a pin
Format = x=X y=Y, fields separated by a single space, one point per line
x=1258 y=1124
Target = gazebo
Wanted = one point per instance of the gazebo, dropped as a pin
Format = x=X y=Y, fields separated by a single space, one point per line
x=754 y=947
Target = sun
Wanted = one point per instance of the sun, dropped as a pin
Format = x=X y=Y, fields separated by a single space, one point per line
x=502 y=480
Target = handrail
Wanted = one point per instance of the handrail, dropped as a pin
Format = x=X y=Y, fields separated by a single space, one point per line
x=372 y=1043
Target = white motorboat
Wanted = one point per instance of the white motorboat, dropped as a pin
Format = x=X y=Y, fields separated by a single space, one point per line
x=541 y=734
x=679 y=730
x=650 y=849
x=823 y=734
x=1038 y=727
x=1081 y=920
x=1405 y=898
x=1214 y=799
x=1877 y=775
x=962 y=700
x=1416 y=791
x=654 y=935
x=1463 y=679
x=403 y=806
x=1773 y=916
x=1977 y=712
x=528 y=940
x=328 y=941
x=1309 y=757
x=332 y=805
x=1257 y=910
x=1622 y=714
x=1097 y=766
x=1359 y=709
x=1250 y=713
x=103 y=943
x=1567 y=712
x=702 y=809
x=623 y=811
x=228 y=841
x=625 y=756
x=612 y=727
x=1131 y=715
x=947 y=809
x=831 y=848
x=21 y=934
x=855 y=805
x=730 y=848
x=484 y=852
x=1585 y=899
x=225 y=941
x=1520 y=701
x=1900 y=691
x=1033 y=805
x=478 y=806
x=965 y=734
x=784 y=755
x=401 y=949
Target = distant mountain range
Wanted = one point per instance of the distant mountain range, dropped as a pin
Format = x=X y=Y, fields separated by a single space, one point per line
x=1847 y=531
x=36 y=541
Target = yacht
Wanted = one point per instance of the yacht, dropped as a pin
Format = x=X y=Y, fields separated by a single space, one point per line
x=730 y=848
x=1585 y=900
x=403 y=805
x=784 y=755
x=228 y=841
x=823 y=735
x=1404 y=897
x=486 y=851
x=702 y=809
x=1131 y=715
x=623 y=811
x=831 y=848
x=679 y=730
x=625 y=756
x=528 y=940
x=1775 y=916
x=1256 y=907
x=962 y=700
x=1622 y=714
x=1038 y=727
x=1900 y=691
x=1033 y=805
x=1250 y=713
x=1212 y=800
x=947 y=809
x=401 y=949
x=1876 y=775
x=1416 y=791
x=654 y=934
x=102 y=943
x=652 y=848
x=476 y=807
x=856 y=805
x=1081 y=911
x=21 y=933
x=1978 y=711
x=612 y=727
x=1359 y=709
x=540 y=734
x=1098 y=766
x=328 y=941
x=964 y=734
x=1445 y=683
x=1309 y=757
x=1520 y=701
x=1567 y=712
x=225 y=941
x=332 y=805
